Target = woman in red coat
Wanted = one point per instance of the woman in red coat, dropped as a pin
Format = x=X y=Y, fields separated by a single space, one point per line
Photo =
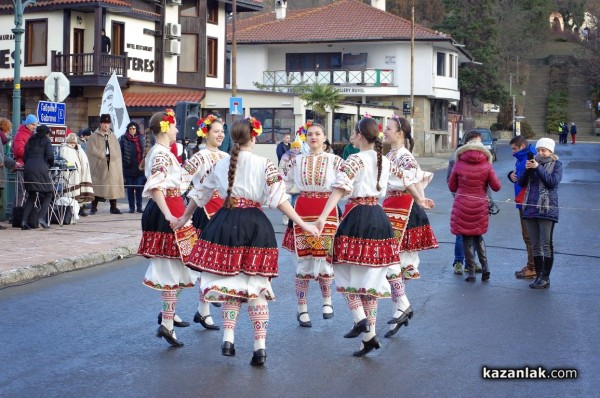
x=471 y=175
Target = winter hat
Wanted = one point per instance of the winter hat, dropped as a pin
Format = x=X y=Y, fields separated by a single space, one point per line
x=31 y=119
x=105 y=118
x=72 y=137
x=296 y=145
x=547 y=143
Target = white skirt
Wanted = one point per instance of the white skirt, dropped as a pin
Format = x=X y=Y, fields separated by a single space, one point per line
x=169 y=274
x=313 y=267
x=222 y=288
x=353 y=279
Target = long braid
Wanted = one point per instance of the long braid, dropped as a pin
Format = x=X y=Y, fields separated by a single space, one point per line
x=235 y=151
x=147 y=145
x=379 y=150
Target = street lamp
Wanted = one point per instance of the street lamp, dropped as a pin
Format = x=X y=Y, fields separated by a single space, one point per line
x=18 y=31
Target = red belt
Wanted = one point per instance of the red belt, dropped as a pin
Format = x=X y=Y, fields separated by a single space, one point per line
x=368 y=200
x=312 y=194
x=243 y=203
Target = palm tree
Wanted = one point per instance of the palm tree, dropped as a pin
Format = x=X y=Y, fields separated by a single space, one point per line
x=321 y=99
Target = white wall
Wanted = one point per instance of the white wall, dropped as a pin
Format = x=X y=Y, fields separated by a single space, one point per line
x=170 y=62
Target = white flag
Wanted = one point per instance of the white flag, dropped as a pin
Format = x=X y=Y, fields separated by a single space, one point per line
x=114 y=104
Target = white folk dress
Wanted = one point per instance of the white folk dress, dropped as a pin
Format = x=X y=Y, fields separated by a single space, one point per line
x=364 y=245
x=313 y=175
x=237 y=251
x=166 y=270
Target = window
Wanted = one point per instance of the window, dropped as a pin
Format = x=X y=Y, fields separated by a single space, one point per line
x=212 y=12
x=438 y=118
x=451 y=59
x=188 y=60
x=343 y=126
x=441 y=64
x=276 y=123
x=212 y=64
x=118 y=38
x=36 y=42
x=301 y=62
x=189 y=8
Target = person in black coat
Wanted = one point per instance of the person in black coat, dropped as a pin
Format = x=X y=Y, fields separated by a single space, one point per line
x=38 y=157
x=132 y=155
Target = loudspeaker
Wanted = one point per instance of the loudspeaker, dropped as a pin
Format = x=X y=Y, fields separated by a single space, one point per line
x=187 y=114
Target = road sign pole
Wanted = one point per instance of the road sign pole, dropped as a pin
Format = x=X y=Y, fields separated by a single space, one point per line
x=18 y=31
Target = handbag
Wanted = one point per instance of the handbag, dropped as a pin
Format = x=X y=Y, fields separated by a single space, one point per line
x=33 y=219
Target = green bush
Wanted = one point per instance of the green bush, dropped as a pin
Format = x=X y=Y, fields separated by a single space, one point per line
x=558 y=99
x=526 y=130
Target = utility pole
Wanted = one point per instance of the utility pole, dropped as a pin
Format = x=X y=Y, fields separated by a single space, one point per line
x=412 y=64
x=18 y=31
x=234 y=55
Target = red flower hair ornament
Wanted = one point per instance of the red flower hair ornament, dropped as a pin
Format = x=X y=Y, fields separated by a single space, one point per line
x=167 y=121
x=255 y=125
x=204 y=125
x=302 y=130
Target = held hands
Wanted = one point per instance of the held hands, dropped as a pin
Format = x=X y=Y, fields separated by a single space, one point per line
x=181 y=222
x=320 y=224
x=426 y=203
x=310 y=228
x=173 y=221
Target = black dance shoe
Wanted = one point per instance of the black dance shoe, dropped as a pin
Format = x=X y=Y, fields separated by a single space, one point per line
x=202 y=321
x=25 y=227
x=368 y=346
x=182 y=324
x=168 y=335
x=216 y=304
x=43 y=223
x=259 y=357
x=228 y=349
x=328 y=315
x=358 y=328
x=307 y=324
x=406 y=315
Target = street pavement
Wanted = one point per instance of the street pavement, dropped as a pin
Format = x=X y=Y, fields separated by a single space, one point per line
x=90 y=333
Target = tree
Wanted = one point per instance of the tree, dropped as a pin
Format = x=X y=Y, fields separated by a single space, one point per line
x=589 y=63
x=322 y=98
x=427 y=12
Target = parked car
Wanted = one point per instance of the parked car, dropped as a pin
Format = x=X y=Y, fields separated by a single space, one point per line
x=487 y=139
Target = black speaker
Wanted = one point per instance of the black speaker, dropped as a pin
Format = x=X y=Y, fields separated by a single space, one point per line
x=185 y=113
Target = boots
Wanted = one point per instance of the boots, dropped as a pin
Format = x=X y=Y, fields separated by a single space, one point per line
x=544 y=281
x=528 y=272
x=482 y=255
x=469 y=258
x=538 y=263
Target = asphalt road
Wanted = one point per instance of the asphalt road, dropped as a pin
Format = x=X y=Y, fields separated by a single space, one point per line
x=90 y=333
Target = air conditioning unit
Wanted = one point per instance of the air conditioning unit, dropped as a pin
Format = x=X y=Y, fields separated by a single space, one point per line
x=173 y=30
x=173 y=47
x=174 y=2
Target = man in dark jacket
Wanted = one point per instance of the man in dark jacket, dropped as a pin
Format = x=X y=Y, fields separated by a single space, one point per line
x=521 y=148
x=132 y=154
x=283 y=147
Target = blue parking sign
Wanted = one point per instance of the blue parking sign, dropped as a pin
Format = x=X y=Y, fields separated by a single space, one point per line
x=235 y=106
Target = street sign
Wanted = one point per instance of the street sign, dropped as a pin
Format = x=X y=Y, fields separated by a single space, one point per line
x=235 y=106
x=406 y=108
x=51 y=112
x=57 y=134
x=57 y=87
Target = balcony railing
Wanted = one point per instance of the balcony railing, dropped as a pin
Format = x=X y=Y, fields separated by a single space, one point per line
x=84 y=65
x=366 y=77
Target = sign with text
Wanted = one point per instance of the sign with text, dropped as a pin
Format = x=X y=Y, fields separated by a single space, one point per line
x=51 y=112
x=58 y=134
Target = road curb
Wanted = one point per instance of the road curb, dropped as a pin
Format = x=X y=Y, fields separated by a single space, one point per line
x=38 y=271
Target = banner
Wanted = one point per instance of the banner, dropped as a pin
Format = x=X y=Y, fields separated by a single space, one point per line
x=114 y=105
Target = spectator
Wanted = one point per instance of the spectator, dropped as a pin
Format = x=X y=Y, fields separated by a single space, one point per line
x=104 y=154
x=82 y=137
x=132 y=154
x=521 y=149
x=327 y=147
x=283 y=147
x=23 y=134
x=573 y=134
x=564 y=132
x=5 y=161
x=39 y=157
x=470 y=176
x=540 y=207
x=80 y=180
x=105 y=43
x=350 y=149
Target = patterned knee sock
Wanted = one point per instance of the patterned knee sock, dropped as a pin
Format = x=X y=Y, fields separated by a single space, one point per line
x=370 y=307
x=169 y=298
x=203 y=307
x=301 y=291
x=175 y=316
x=325 y=284
x=231 y=309
x=356 y=306
x=398 y=296
x=258 y=309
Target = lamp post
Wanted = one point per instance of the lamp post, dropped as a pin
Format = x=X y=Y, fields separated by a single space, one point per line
x=18 y=31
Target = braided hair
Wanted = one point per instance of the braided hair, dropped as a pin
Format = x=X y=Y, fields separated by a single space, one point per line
x=368 y=128
x=240 y=135
x=155 y=122
x=404 y=126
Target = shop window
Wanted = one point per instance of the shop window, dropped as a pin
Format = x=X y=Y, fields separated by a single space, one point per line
x=343 y=125
x=438 y=119
x=276 y=123
x=36 y=42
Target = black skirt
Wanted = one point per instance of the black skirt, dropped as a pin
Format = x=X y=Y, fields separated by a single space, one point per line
x=200 y=219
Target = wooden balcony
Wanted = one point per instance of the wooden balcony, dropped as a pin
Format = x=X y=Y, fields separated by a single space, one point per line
x=84 y=69
x=366 y=77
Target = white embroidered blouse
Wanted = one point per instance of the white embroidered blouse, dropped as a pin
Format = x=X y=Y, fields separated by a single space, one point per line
x=200 y=165
x=312 y=172
x=256 y=179
x=358 y=175
x=162 y=171
x=404 y=160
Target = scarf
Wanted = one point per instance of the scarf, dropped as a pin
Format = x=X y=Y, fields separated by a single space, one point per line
x=3 y=137
x=544 y=195
x=138 y=145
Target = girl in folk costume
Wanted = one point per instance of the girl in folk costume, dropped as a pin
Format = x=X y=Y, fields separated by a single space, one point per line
x=404 y=208
x=199 y=166
x=237 y=251
x=313 y=174
x=364 y=245
x=163 y=186
x=80 y=180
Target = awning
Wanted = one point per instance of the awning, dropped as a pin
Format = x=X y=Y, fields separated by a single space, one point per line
x=162 y=99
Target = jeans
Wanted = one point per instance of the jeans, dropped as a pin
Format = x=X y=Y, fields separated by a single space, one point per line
x=459 y=252
x=135 y=186
x=540 y=233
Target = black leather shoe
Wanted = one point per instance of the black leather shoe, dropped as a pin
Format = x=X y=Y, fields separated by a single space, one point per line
x=25 y=227
x=115 y=211
x=328 y=315
x=395 y=329
x=307 y=324
x=216 y=304
x=82 y=213
x=202 y=321
x=168 y=335
x=140 y=210
x=259 y=357
x=406 y=315
x=93 y=211
x=182 y=324
x=368 y=346
x=228 y=349
x=131 y=211
x=43 y=224
x=358 y=328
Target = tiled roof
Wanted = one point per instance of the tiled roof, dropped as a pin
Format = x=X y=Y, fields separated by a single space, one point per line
x=342 y=20
x=161 y=98
x=24 y=79
x=45 y=3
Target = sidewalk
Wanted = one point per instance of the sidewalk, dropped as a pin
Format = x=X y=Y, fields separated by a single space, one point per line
x=93 y=240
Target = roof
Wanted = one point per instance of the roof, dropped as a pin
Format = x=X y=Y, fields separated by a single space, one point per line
x=342 y=20
x=45 y=3
x=161 y=98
